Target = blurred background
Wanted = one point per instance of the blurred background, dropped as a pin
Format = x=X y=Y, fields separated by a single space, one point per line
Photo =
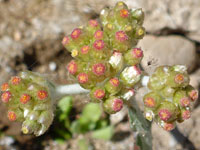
x=31 y=32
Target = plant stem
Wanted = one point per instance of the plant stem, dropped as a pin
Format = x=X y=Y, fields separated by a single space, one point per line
x=64 y=90
x=140 y=126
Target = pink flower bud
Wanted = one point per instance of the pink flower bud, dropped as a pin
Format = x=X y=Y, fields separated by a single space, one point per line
x=4 y=87
x=115 y=82
x=185 y=101
x=65 y=40
x=6 y=96
x=137 y=53
x=117 y=105
x=99 y=69
x=121 y=36
x=179 y=78
x=168 y=126
x=72 y=67
x=193 y=95
x=164 y=114
x=99 y=94
x=98 y=34
x=15 y=80
x=83 y=78
x=85 y=49
x=186 y=114
x=76 y=33
x=99 y=44
x=93 y=23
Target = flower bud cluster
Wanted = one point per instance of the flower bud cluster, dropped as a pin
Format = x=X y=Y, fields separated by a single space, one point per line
x=105 y=57
x=170 y=96
x=28 y=100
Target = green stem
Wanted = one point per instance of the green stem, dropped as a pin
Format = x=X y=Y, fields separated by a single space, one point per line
x=140 y=126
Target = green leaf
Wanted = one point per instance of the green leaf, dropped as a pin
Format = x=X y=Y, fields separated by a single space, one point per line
x=104 y=133
x=92 y=112
x=65 y=104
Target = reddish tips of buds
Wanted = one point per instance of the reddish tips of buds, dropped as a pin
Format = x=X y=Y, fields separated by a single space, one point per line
x=117 y=105
x=99 y=44
x=193 y=94
x=4 y=87
x=137 y=53
x=93 y=23
x=164 y=114
x=114 y=82
x=42 y=94
x=25 y=98
x=6 y=96
x=121 y=36
x=75 y=33
x=12 y=116
x=99 y=93
x=85 y=49
x=179 y=78
x=98 y=34
x=186 y=114
x=138 y=71
x=149 y=102
x=124 y=13
x=15 y=80
x=185 y=101
x=72 y=67
x=168 y=126
x=65 y=40
x=83 y=78
x=99 y=69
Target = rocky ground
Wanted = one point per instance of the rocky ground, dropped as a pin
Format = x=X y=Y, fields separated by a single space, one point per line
x=30 y=38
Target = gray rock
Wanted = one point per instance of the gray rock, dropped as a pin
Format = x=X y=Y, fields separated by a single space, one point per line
x=167 y=50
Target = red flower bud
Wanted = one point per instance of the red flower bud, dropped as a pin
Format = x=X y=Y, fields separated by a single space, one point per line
x=12 y=116
x=124 y=13
x=117 y=105
x=4 y=87
x=193 y=95
x=186 y=114
x=42 y=94
x=179 y=78
x=99 y=93
x=185 y=101
x=149 y=102
x=25 y=98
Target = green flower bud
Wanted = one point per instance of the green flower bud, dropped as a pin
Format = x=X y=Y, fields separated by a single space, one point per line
x=97 y=94
x=113 y=105
x=113 y=86
x=134 y=56
x=167 y=111
x=152 y=100
x=22 y=94
x=181 y=98
x=130 y=75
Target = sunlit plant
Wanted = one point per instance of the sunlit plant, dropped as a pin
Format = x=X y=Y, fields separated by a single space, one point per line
x=106 y=65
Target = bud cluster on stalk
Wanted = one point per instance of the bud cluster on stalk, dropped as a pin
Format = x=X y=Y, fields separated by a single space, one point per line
x=170 y=96
x=105 y=57
x=28 y=99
